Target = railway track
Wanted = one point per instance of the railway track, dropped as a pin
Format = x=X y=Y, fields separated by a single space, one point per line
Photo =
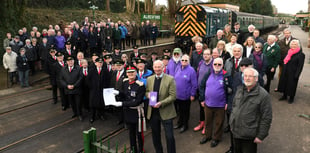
x=29 y=120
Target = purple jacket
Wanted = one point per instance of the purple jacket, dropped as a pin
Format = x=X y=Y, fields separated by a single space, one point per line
x=202 y=69
x=171 y=67
x=186 y=82
x=215 y=95
x=60 y=42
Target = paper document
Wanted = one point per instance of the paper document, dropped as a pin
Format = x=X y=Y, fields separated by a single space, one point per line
x=109 y=97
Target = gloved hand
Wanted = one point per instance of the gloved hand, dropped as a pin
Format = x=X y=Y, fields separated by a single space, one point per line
x=116 y=92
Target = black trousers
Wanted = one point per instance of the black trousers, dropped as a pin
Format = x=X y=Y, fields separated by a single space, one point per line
x=244 y=146
x=184 y=109
x=134 y=41
x=54 y=89
x=156 y=133
x=270 y=76
x=133 y=135
x=75 y=103
x=128 y=40
x=63 y=97
x=123 y=43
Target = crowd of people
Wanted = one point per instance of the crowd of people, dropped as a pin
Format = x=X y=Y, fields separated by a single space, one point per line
x=229 y=77
x=87 y=37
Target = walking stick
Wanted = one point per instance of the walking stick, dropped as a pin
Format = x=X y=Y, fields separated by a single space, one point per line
x=7 y=78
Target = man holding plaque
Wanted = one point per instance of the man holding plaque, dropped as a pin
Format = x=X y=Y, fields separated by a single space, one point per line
x=161 y=90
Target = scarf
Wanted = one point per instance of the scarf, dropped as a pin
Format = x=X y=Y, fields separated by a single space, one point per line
x=290 y=53
x=258 y=59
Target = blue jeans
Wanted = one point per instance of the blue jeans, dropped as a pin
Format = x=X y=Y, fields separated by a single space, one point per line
x=23 y=78
x=156 y=136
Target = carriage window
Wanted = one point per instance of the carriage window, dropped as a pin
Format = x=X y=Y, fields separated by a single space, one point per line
x=179 y=17
x=200 y=16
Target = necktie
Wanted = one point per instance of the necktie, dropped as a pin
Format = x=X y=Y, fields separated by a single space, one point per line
x=119 y=73
x=69 y=51
x=236 y=64
x=99 y=71
x=62 y=64
x=85 y=72
x=80 y=63
x=54 y=57
x=140 y=74
x=70 y=69
x=165 y=69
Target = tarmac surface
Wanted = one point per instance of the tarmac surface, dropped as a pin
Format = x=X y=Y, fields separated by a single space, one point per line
x=29 y=122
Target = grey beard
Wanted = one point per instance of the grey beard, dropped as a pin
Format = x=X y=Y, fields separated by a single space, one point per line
x=176 y=59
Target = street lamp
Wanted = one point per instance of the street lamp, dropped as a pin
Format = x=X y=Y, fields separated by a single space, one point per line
x=93 y=7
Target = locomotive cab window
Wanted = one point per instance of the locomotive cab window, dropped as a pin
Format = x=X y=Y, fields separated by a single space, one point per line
x=180 y=17
x=200 y=16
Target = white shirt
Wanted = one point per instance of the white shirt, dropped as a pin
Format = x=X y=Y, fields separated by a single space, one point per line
x=248 y=51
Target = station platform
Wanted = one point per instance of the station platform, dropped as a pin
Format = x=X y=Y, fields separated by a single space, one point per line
x=30 y=122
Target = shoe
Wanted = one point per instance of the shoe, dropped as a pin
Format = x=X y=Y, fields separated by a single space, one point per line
x=73 y=116
x=291 y=100
x=177 y=126
x=204 y=140
x=183 y=129
x=91 y=120
x=282 y=98
x=229 y=151
x=199 y=126
x=214 y=143
x=64 y=108
x=55 y=102
x=276 y=90
x=226 y=129
x=80 y=118
x=203 y=130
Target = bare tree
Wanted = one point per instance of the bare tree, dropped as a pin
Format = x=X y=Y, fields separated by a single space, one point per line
x=133 y=5
x=138 y=7
x=108 y=6
x=153 y=6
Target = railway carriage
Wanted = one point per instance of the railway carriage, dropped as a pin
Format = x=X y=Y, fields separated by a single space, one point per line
x=198 y=20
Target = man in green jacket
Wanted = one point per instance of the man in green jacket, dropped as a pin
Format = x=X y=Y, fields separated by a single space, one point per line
x=163 y=111
x=251 y=115
x=272 y=51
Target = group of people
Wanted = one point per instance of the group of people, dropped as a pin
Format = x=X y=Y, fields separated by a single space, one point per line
x=228 y=79
x=87 y=37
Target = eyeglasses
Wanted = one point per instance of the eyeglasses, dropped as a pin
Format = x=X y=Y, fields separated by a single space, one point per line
x=217 y=64
x=184 y=60
x=244 y=65
x=257 y=47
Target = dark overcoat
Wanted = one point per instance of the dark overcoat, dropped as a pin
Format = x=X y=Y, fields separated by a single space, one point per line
x=71 y=78
x=290 y=74
x=96 y=85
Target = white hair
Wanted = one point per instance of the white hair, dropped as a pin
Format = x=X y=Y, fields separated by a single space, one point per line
x=273 y=37
x=159 y=61
x=296 y=41
x=238 y=46
x=253 y=70
x=198 y=44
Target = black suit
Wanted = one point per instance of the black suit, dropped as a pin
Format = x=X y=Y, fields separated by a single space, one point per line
x=72 y=78
x=117 y=85
x=85 y=88
x=55 y=79
x=97 y=82
x=132 y=56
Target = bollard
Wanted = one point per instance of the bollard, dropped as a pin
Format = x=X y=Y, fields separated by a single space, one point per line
x=116 y=149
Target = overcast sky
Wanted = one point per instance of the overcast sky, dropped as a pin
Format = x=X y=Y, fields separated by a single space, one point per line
x=284 y=6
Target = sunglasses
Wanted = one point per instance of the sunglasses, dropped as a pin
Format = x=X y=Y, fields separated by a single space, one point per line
x=217 y=64
x=184 y=60
x=176 y=54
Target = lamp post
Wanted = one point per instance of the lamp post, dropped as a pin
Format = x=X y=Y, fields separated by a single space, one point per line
x=93 y=7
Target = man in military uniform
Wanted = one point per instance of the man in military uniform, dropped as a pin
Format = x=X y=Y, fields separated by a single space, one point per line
x=51 y=59
x=108 y=63
x=98 y=78
x=69 y=51
x=131 y=96
x=70 y=80
x=117 y=54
